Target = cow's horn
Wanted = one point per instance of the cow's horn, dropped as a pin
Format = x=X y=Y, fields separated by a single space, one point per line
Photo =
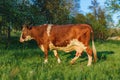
x=30 y=26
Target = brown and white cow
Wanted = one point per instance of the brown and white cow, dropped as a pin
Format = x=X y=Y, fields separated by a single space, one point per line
x=61 y=37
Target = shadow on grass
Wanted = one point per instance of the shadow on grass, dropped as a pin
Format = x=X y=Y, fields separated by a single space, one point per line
x=101 y=55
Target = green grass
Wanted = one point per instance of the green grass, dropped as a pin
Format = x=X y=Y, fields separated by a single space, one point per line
x=25 y=62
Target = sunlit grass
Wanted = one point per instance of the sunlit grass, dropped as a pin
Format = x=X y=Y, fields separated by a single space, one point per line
x=25 y=62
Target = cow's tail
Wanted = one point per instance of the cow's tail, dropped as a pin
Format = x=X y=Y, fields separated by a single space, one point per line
x=93 y=47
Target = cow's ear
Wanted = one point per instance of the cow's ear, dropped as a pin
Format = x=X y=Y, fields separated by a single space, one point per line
x=27 y=26
x=30 y=27
x=24 y=26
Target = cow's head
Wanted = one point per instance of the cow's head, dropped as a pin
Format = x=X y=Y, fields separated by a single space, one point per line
x=26 y=33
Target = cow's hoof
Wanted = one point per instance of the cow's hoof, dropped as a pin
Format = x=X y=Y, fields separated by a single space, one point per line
x=88 y=64
x=45 y=61
x=72 y=62
x=59 y=61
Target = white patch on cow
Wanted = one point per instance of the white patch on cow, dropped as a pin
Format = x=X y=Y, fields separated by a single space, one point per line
x=74 y=45
x=89 y=60
x=48 y=29
x=28 y=38
x=42 y=48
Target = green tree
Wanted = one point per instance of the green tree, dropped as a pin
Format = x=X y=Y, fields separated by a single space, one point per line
x=109 y=19
x=98 y=20
x=80 y=18
x=113 y=7
x=100 y=30
x=54 y=11
x=7 y=12
x=94 y=7
x=102 y=17
x=11 y=16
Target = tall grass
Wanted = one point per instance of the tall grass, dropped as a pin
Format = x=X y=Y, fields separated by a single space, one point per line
x=25 y=62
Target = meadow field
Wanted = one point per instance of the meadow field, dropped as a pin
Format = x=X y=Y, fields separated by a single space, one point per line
x=24 y=61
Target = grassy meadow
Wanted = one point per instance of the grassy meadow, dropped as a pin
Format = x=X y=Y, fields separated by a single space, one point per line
x=24 y=61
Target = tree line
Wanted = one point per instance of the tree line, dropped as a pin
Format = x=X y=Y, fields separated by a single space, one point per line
x=15 y=13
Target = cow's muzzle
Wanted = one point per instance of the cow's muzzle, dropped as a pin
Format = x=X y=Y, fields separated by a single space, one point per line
x=21 y=40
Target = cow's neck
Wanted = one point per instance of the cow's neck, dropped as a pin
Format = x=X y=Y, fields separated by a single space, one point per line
x=38 y=34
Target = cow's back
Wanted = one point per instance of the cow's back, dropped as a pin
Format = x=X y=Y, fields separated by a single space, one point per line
x=61 y=35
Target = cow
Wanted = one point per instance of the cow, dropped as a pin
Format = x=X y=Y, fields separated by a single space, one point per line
x=67 y=38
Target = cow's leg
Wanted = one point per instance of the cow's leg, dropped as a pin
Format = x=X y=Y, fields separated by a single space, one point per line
x=77 y=55
x=46 y=56
x=89 y=53
x=45 y=50
x=56 y=55
x=79 y=50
